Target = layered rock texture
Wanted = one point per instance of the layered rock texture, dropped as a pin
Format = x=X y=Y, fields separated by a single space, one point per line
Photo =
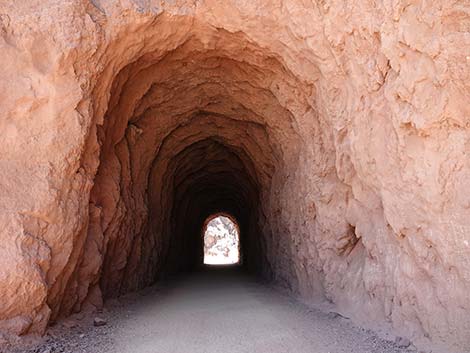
x=337 y=134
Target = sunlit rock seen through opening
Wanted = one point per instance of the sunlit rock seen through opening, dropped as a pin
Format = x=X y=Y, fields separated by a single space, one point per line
x=221 y=242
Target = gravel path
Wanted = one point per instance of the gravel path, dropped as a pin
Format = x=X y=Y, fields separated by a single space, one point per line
x=215 y=311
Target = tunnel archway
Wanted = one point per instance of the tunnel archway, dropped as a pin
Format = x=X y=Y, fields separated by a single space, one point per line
x=189 y=131
x=221 y=237
x=205 y=116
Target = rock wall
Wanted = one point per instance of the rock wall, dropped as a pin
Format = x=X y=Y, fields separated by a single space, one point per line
x=336 y=133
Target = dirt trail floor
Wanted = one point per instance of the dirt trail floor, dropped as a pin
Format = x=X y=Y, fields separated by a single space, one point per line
x=216 y=310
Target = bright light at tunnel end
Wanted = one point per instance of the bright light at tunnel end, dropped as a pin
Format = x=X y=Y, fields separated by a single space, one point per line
x=221 y=242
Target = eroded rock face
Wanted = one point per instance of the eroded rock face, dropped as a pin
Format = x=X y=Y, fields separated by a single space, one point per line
x=336 y=133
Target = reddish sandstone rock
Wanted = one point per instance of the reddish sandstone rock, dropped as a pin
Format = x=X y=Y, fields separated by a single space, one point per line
x=337 y=133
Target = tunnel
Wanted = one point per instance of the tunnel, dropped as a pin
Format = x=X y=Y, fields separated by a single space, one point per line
x=332 y=133
x=190 y=131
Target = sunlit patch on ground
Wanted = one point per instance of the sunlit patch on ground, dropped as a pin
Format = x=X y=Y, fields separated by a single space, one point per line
x=221 y=242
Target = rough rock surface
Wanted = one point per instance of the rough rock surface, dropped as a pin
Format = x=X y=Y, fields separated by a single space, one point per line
x=337 y=133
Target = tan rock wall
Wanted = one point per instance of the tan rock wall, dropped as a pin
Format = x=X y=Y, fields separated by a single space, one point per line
x=339 y=131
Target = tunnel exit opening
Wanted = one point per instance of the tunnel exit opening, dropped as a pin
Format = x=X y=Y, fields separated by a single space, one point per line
x=221 y=240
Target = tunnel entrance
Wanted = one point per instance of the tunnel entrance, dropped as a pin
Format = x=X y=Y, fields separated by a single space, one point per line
x=189 y=132
x=203 y=127
x=221 y=241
